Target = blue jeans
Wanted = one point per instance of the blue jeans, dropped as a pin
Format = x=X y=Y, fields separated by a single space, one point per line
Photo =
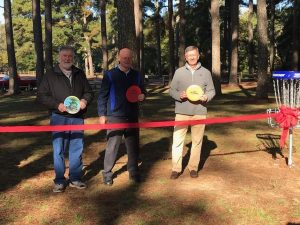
x=63 y=141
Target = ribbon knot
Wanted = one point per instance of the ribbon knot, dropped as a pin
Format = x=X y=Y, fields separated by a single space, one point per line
x=286 y=118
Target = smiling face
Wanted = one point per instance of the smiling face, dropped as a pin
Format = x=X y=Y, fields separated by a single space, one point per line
x=66 y=58
x=125 y=59
x=192 y=57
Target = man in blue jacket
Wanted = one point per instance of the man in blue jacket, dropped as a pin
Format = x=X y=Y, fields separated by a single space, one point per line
x=63 y=81
x=114 y=107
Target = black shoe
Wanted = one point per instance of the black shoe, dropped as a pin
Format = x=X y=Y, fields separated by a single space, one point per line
x=135 y=178
x=193 y=174
x=107 y=181
x=174 y=175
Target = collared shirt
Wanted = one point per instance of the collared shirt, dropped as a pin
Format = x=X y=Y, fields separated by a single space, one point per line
x=123 y=71
x=68 y=74
x=193 y=69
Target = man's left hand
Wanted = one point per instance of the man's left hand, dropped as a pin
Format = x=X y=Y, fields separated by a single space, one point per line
x=141 y=97
x=83 y=103
x=204 y=98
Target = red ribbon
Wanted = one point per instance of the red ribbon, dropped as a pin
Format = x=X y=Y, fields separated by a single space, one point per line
x=6 y=129
x=287 y=118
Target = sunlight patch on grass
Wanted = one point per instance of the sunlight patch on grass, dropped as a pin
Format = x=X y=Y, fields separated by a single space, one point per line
x=38 y=154
x=78 y=219
x=255 y=213
x=296 y=208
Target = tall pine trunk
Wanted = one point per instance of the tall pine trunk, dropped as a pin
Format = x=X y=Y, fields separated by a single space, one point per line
x=262 y=28
x=234 y=42
x=216 y=57
x=227 y=39
x=250 y=39
x=272 y=34
x=138 y=14
x=182 y=24
x=103 y=34
x=171 y=24
x=157 y=33
x=295 y=56
x=12 y=65
x=38 y=40
x=126 y=27
x=48 y=35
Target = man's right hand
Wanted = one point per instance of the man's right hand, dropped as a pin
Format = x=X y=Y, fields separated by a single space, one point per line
x=62 y=107
x=183 y=95
x=102 y=119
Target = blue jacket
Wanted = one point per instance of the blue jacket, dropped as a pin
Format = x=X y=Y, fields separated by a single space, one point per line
x=112 y=96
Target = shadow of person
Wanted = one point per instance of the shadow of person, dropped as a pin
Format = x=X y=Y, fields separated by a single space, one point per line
x=270 y=144
x=207 y=147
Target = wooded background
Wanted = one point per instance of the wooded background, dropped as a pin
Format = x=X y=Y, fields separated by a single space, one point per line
x=234 y=37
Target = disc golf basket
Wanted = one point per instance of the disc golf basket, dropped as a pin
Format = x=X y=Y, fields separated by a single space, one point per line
x=287 y=93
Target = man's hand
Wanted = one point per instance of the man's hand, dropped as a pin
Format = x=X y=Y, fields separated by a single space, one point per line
x=204 y=98
x=83 y=104
x=141 y=97
x=62 y=107
x=102 y=119
x=183 y=95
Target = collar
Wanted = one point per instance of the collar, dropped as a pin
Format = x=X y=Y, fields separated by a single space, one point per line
x=118 y=66
x=58 y=70
x=191 y=69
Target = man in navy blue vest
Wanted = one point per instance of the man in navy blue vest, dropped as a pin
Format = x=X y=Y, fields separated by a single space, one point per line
x=114 y=107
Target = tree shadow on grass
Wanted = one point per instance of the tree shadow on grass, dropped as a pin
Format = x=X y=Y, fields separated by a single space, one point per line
x=114 y=203
x=207 y=147
x=11 y=158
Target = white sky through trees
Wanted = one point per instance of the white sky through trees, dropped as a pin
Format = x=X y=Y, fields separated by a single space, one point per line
x=1 y=12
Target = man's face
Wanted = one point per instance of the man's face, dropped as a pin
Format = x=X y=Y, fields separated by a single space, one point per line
x=66 y=59
x=125 y=58
x=192 y=57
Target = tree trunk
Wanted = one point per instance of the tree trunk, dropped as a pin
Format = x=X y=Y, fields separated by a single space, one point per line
x=86 y=13
x=272 y=34
x=234 y=41
x=216 y=57
x=298 y=8
x=262 y=27
x=126 y=27
x=138 y=12
x=182 y=24
x=157 y=32
x=171 y=24
x=227 y=39
x=38 y=40
x=86 y=63
x=103 y=34
x=138 y=22
x=295 y=56
x=250 y=39
x=12 y=65
x=176 y=43
x=48 y=35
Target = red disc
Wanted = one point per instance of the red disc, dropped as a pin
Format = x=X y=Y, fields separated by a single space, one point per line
x=132 y=93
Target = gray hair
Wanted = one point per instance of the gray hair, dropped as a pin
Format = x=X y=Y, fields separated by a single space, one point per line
x=67 y=47
x=191 y=48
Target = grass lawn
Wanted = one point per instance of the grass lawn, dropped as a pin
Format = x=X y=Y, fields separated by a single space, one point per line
x=243 y=178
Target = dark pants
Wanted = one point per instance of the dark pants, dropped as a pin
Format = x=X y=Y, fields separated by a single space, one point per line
x=114 y=137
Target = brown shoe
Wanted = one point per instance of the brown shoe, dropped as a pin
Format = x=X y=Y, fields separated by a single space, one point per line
x=174 y=175
x=193 y=174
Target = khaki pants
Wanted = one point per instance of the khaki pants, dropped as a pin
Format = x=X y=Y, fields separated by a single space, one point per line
x=179 y=134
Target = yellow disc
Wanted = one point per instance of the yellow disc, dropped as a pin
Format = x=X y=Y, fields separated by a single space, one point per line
x=194 y=93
